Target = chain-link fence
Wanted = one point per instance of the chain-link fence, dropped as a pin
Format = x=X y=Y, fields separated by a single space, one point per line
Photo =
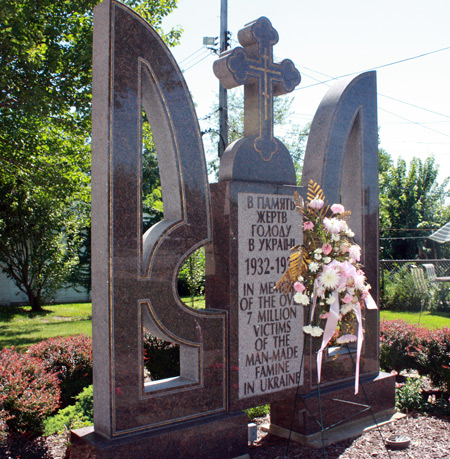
x=388 y=269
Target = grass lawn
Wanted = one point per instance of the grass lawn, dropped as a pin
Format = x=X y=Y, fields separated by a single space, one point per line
x=429 y=319
x=20 y=327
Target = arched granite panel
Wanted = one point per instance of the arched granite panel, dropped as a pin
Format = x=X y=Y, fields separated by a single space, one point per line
x=342 y=156
x=135 y=277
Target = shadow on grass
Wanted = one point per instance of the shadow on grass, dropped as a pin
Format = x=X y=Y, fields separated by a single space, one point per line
x=9 y=313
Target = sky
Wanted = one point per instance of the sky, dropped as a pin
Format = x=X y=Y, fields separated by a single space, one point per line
x=329 y=38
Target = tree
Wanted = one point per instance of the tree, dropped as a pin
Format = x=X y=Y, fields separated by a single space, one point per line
x=410 y=199
x=45 y=107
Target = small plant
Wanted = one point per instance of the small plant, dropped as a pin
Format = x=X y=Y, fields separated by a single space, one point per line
x=28 y=393
x=408 y=396
x=74 y=416
x=257 y=412
x=71 y=359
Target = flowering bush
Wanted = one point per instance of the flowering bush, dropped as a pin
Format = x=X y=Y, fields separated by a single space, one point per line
x=325 y=270
x=405 y=346
x=437 y=358
x=28 y=393
x=161 y=358
x=402 y=346
x=71 y=358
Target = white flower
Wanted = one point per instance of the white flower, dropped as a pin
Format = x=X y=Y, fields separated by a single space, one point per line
x=343 y=226
x=332 y=225
x=335 y=237
x=355 y=252
x=317 y=256
x=346 y=308
x=313 y=266
x=300 y=278
x=301 y=298
x=359 y=282
x=318 y=251
x=329 y=279
x=326 y=260
x=313 y=331
x=346 y=339
x=330 y=300
x=350 y=233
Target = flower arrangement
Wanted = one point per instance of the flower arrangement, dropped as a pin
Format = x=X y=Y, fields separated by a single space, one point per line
x=325 y=272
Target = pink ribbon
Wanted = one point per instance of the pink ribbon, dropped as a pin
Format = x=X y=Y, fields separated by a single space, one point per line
x=330 y=327
x=359 y=344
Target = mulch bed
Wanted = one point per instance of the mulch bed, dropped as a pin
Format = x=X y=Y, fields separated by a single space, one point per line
x=430 y=439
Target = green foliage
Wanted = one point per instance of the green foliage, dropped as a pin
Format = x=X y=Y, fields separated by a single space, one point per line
x=73 y=416
x=410 y=198
x=28 y=393
x=45 y=109
x=401 y=294
x=257 y=412
x=191 y=276
x=408 y=396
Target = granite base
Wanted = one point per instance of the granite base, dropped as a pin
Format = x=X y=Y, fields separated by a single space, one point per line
x=221 y=436
x=340 y=408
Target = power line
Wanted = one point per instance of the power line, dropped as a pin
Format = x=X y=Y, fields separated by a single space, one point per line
x=190 y=55
x=198 y=62
x=377 y=67
x=389 y=97
x=414 y=122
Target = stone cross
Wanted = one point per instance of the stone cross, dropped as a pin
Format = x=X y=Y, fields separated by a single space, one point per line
x=253 y=67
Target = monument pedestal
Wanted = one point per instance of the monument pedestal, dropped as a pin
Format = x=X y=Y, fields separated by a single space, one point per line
x=222 y=436
x=340 y=406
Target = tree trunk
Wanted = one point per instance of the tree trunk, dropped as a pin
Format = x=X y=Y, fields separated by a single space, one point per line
x=35 y=301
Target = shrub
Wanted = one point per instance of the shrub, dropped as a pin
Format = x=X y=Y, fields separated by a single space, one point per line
x=401 y=294
x=435 y=360
x=161 y=358
x=28 y=392
x=74 y=416
x=401 y=344
x=71 y=359
x=408 y=396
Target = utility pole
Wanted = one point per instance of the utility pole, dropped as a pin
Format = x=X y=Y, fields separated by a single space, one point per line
x=223 y=102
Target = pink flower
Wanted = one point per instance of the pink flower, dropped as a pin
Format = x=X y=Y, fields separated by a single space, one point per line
x=316 y=203
x=337 y=208
x=327 y=248
x=299 y=287
x=355 y=252
x=347 y=298
x=308 y=226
